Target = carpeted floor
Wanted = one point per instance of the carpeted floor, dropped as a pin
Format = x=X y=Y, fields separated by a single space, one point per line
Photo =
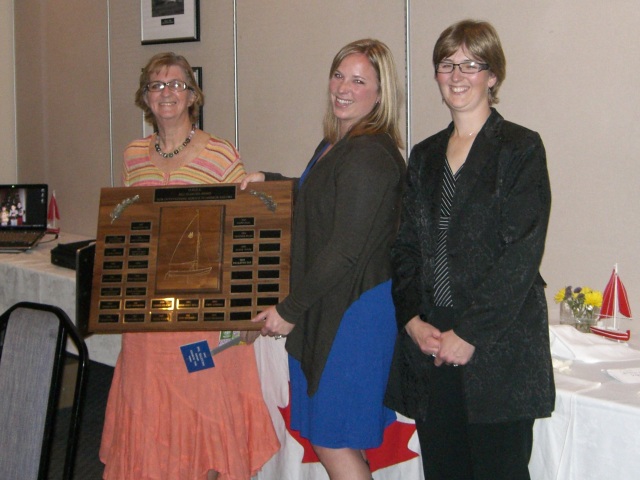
x=88 y=465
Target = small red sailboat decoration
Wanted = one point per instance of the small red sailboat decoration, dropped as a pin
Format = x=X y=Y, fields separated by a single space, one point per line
x=614 y=302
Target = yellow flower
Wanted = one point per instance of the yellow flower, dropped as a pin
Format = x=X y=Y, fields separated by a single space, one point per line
x=581 y=300
x=593 y=298
x=560 y=295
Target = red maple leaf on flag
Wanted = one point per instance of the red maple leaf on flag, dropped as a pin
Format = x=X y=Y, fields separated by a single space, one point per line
x=394 y=448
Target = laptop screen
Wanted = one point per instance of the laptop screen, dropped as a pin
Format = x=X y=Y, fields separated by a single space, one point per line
x=23 y=206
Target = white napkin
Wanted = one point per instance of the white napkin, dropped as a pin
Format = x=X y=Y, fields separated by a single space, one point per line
x=561 y=365
x=573 y=384
x=625 y=375
x=567 y=342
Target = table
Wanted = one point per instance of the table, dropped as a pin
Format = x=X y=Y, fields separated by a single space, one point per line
x=592 y=434
x=30 y=276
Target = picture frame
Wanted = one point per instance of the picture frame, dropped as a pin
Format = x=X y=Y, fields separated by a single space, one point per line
x=169 y=21
x=147 y=129
x=197 y=72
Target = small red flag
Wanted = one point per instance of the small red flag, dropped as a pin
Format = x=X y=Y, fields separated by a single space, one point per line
x=53 y=215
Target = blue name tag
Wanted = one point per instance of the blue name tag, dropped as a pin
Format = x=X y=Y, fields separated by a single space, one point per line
x=197 y=356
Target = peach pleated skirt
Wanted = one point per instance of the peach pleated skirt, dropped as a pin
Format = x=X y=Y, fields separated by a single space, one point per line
x=164 y=423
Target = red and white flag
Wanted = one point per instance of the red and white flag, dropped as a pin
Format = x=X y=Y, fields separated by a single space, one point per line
x=53 y=215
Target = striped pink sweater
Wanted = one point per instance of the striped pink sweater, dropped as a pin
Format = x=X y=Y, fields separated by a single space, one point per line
x=218 y=162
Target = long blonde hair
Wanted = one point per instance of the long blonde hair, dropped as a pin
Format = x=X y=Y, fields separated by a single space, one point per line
x=385 y=114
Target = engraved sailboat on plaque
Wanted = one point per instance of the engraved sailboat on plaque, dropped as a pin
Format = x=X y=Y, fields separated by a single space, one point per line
x=185 y=261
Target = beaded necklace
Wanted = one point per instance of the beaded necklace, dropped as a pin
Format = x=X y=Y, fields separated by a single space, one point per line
x=177 y=150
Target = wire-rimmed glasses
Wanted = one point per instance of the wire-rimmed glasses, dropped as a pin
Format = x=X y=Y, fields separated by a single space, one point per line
x=173 y=85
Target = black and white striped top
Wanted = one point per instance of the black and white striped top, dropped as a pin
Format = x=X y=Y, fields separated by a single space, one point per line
x=442 y=292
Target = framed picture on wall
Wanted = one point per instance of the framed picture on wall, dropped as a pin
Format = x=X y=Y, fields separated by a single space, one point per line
x=197 y=72
x=149 y=129
x=168 y=21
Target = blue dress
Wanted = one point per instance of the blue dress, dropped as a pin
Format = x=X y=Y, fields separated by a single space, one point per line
x=347 y=410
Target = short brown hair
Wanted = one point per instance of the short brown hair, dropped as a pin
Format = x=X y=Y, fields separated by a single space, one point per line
x=157 y=63
x=384 y=116
x=481 y=40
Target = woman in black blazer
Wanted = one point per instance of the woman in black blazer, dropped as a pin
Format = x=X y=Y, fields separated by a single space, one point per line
x=472 y=363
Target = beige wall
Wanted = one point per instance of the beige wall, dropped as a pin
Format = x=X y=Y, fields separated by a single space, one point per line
x=63 y=103
x=569 y=77
x=284 y=57
x=214 y=53
x=8 y=164
x=282 y=70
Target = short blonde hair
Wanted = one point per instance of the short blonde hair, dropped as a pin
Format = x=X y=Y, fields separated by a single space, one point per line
x=481 y=40
x=155 y=65
x=385 y=114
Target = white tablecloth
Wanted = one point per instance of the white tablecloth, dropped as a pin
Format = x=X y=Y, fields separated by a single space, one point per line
x=594 y=432
x=30 y=276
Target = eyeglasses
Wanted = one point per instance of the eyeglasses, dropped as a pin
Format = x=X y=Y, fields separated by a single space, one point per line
x=174 y=86
x=465 y=67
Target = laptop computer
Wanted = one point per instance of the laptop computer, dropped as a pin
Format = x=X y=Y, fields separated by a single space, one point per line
x=23 y=216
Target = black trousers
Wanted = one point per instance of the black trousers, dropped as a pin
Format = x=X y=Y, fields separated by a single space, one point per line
x=454 y=449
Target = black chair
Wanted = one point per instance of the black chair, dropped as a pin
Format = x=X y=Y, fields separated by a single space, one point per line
x=33 y=340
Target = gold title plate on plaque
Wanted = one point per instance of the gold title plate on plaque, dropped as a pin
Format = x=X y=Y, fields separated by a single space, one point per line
x=197 y=257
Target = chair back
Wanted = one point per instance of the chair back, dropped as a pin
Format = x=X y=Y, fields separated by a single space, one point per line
x=32 y=356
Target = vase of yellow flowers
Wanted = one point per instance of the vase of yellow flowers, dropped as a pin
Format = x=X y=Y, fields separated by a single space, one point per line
x=579 y=307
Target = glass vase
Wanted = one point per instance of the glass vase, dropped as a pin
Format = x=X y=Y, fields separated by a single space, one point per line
x=584 y=322
x=582 y=319
x=566 y=314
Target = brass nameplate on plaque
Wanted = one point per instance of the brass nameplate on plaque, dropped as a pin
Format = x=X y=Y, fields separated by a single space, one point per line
x=197 y=257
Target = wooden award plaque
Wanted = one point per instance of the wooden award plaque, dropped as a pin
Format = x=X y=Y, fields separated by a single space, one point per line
x=197 y=257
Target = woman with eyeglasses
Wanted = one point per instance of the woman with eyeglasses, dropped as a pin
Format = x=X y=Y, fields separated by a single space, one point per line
x=472 y=363
x=161 y=421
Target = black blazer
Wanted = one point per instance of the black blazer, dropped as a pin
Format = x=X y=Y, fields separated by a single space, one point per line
x=496 y=241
